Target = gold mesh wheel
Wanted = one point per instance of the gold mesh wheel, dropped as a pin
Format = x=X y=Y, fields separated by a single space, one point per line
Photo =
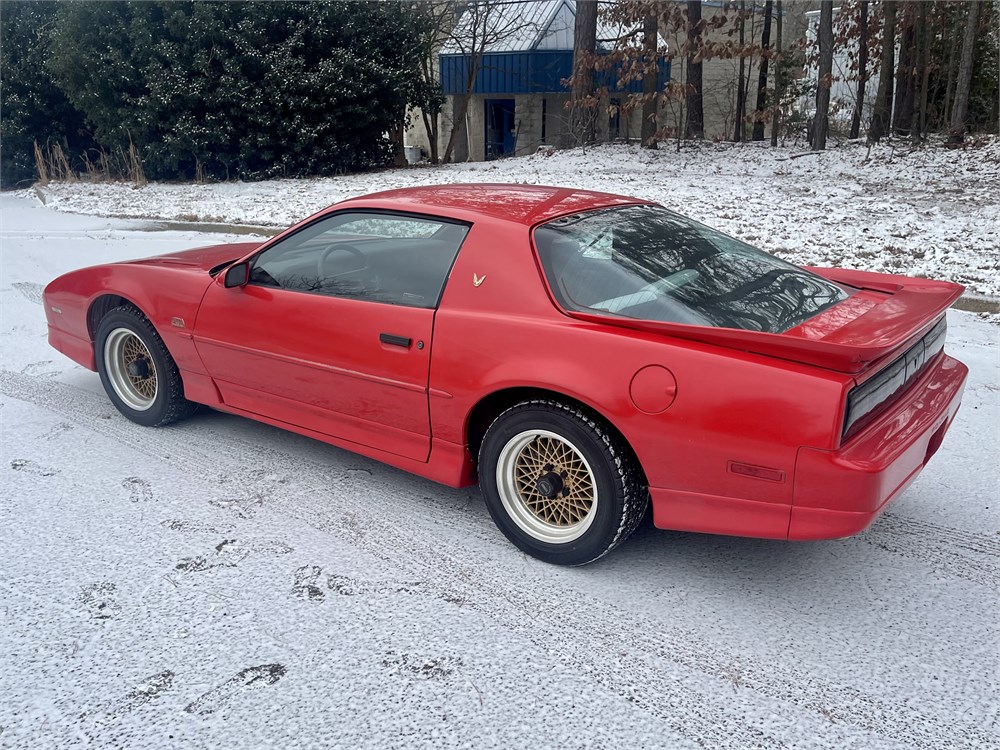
x=130 y=369
x=546 y=486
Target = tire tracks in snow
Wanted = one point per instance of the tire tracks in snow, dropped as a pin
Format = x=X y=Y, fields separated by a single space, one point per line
x=669 y=673
x=963 y=554
x=30 y=290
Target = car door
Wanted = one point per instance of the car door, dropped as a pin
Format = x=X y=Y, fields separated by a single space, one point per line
x=333 y=330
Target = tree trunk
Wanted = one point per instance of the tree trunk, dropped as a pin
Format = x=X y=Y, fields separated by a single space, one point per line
x=431 y=120
x=584 y=45
x=741 y=103
x=431 y=128
x=650 y=79
x=919 y=83
x=960 y=110
x=695 y=108
x=459 y=110
x=883 y=100
x=396 y=137
x=779 y=82
x=903 y=111
x=949 y=93
x=748 y=56
x=925 y=86
x=765 y=43
x=862 y=69
x=821 y=124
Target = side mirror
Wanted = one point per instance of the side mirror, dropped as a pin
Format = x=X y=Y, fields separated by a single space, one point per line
x=237 y=275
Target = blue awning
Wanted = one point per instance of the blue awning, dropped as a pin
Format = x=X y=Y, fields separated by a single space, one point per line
x=535 y=72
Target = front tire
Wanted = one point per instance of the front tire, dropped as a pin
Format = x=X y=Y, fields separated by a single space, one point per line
x=559 y=483
x=138 y=373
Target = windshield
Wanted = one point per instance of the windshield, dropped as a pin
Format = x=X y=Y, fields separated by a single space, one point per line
x=649 y=263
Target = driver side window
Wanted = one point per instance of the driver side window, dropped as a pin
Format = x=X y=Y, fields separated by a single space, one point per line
x=374 y=256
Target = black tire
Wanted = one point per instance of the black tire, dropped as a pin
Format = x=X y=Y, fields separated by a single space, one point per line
x=153 y=394
x=517 y=446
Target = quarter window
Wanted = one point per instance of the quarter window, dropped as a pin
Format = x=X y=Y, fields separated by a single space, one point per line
x=378 y=257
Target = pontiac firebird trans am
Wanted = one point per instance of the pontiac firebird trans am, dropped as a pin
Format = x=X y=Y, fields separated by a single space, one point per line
x=583 y=354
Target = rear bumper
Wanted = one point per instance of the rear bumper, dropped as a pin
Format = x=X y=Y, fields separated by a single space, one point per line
x=839 y=493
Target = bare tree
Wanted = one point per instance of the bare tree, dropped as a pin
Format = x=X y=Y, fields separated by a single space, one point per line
x=902 y=112
x=779 y=82
x=765 y=54
x=628 y=59
x=954 y=47
x=883 y=100
x=650 y=80
x=438 y=21
x=960 y=110
x=583 y=116
x=918 y=85
x=695 y=105
x=741 y=99
x=821 y=123
x=481 y=25
x=862 y=68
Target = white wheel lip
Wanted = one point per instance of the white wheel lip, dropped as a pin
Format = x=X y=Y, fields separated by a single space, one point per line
x=114 y=365
x=515 y=506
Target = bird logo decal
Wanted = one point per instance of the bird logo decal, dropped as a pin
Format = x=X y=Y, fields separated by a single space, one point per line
x=476 y=281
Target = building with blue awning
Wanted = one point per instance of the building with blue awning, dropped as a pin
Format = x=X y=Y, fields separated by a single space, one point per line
x=517 y=101
x=504 y=67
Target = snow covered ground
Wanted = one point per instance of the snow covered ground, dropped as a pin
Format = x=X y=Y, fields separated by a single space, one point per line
x=928 y=212
x=220 y=583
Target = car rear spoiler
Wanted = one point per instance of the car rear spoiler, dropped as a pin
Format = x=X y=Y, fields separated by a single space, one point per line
x=903 y=310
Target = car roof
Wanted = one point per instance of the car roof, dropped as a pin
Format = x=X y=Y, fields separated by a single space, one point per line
x=522 y=204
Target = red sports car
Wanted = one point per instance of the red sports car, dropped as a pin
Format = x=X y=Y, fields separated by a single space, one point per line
x=581 y=353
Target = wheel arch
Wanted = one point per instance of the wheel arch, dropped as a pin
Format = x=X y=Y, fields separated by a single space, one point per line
x=101 y=306
x=491 y=406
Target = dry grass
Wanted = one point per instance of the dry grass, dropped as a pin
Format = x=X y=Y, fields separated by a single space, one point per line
x=52 y=165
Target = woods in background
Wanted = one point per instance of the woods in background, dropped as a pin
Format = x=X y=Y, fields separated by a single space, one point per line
x=245 y=90
x=944 y=78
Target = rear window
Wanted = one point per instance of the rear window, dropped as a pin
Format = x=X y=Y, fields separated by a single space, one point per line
x=649 y=263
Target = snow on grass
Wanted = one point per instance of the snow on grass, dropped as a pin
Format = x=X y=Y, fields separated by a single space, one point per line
x=931 y=212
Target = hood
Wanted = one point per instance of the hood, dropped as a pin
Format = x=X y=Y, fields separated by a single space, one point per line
x=202 y=258
x=881 y=317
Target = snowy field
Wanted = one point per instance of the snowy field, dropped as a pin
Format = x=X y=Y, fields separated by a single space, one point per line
x=927 y=212
x=222 y=584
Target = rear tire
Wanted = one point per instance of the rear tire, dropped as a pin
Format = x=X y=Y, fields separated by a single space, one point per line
x=559 y=483
x=138 y=373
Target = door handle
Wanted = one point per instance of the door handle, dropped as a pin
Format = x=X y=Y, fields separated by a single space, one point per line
x=388 y=338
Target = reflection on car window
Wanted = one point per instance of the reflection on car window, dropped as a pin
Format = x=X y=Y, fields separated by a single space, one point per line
x=373 y=225
x=649 y=263
x=379 y=257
